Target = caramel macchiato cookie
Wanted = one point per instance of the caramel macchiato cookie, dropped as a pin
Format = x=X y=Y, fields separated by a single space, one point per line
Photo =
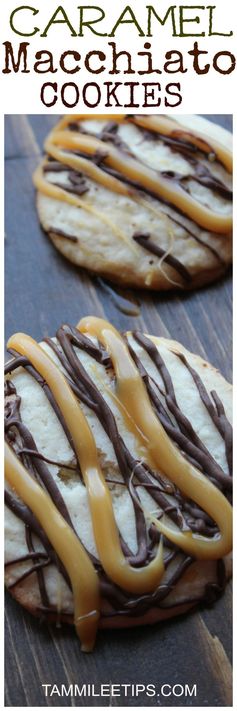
x=118 y=477
x=145 y=201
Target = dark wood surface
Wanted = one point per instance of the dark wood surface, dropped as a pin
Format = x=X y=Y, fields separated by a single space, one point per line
x=43 y=290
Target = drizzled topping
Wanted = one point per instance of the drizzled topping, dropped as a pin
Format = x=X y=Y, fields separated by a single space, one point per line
x=66 y=544
x=90 y=156
x=195 y=522
x=132 y=393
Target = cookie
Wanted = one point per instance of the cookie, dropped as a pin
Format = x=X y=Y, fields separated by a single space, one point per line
x=118 y=478
x=145 y=201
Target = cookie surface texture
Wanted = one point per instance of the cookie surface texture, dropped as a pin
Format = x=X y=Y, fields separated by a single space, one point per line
x=118 y=478
x=145 y=201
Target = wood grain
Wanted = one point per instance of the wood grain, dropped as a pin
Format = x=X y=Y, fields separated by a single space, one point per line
x=43 y=290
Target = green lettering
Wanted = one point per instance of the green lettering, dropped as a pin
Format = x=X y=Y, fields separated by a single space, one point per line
x=183 y=19
x=130 y=20
x=55 y=20
x=151 y=12
x=12 y=16
x=88 y=23
x=211 y=33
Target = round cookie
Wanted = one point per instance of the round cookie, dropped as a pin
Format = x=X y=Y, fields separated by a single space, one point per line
x=145 y=201
x=124 y=445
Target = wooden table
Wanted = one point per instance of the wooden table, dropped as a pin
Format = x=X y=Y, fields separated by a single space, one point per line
x=42 y=291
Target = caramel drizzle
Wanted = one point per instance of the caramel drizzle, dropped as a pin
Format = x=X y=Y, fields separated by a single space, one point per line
x=59 y=141
x=167 y=213
x=88 y=393
x=32 y=525
x=165 y=255
x=217 y=413
x=186 y=437
x=166 y=126
x=105 y=530
x=107 y=172
x=96 y=402
x=102 y=356
x=67 y=336
x=80 y=569
x=59 y=193
x=132 y=394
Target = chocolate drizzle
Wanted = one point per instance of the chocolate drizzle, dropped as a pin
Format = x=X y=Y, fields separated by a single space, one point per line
x=134 y=473
x=179 y=142
x=190 y=227
x=186 y=438
x=216 y=411
x=143 y=238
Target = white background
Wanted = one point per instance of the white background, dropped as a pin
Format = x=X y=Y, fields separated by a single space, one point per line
x=211 y=93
